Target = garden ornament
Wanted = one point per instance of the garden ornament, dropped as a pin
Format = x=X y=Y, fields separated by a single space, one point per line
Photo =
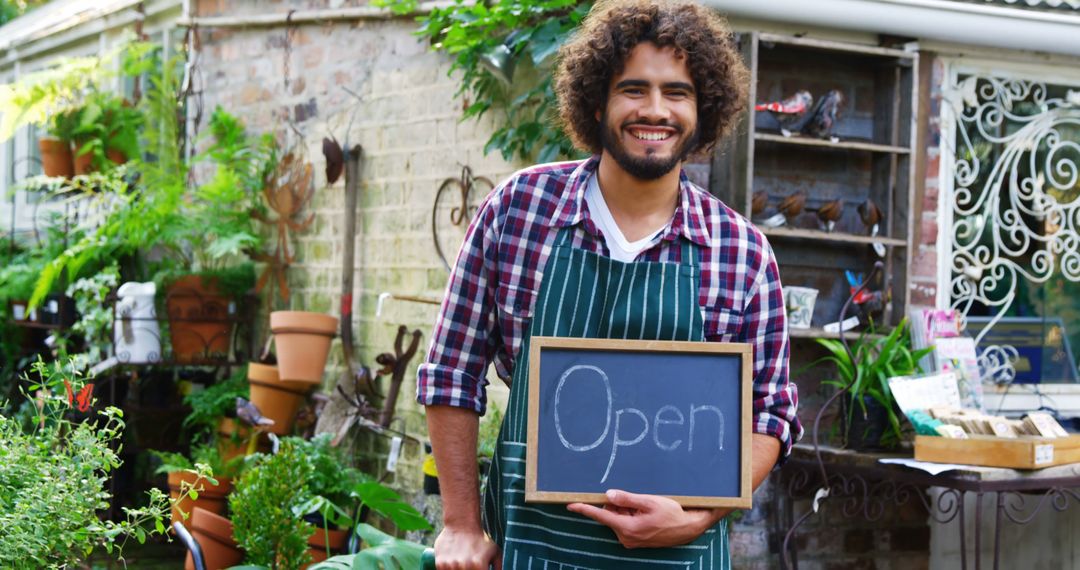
x=287 y=192
x=793 y=205
x=396 y=365
x=830 y=213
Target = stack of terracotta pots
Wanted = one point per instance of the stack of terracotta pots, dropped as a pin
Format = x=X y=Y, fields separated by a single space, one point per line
x=302 y=344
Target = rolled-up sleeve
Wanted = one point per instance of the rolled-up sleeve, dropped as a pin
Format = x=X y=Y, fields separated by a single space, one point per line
x=464 y=340
x=775 y=396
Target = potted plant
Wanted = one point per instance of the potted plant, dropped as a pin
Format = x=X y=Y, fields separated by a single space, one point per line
x=869 y=416
x=213 y=238
x=105 y=131
x=261 y=504
x=55 y=148
x=184 y=477
x=323 y=502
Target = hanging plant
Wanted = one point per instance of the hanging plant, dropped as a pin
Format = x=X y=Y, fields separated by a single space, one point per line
x=505 y=52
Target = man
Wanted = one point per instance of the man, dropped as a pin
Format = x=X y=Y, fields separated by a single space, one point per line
x=642 y=85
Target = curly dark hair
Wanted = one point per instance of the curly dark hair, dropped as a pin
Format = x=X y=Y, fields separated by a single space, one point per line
x=599 y=49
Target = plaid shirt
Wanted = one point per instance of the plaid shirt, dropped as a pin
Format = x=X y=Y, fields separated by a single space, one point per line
x=496 y=279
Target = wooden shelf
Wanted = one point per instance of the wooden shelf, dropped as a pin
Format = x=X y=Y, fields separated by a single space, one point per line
x=37 y=325
x=818 y=235
x=823 y=143
x=828 y=45
x=816 y=332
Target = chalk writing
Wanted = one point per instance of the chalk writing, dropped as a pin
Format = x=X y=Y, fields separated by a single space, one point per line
x=667 y=416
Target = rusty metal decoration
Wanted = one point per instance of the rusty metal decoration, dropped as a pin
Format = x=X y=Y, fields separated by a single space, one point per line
x=462 y=209
x=395 y=365
x=287 y=192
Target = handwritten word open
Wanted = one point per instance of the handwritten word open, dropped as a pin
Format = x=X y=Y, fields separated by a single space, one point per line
x=666 y=415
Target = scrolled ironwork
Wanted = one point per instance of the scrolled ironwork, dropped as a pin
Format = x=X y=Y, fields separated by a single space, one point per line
x=1014 y=505
x=1016 y=195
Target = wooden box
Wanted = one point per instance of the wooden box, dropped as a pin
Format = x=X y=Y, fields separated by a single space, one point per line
x=1020 y=453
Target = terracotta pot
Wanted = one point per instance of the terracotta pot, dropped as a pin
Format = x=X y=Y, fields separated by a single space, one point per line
x=232 y=439
x=303 y=343
x=56 y=157
x=199 y=322
x=276 y=399
x=115 y=156
x=215 y=536
x=84 y=163
x=211 y=497
x=317 y=544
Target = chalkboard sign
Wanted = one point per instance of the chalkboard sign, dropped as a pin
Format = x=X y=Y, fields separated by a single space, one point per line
x=657 y=417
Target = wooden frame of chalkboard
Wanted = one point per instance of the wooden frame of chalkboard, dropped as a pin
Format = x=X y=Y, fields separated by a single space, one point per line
x=640 y=361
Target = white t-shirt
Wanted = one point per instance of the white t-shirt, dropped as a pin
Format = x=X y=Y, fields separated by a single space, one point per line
x=620 y=248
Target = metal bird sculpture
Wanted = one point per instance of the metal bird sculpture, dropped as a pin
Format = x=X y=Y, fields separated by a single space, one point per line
x=825 y=115
x=830 y=213
x=793 y=205
x=249 y=414
x=777 y=115
x=821 y=121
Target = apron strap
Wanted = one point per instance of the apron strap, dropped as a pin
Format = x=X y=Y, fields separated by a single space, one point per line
x=689 y=254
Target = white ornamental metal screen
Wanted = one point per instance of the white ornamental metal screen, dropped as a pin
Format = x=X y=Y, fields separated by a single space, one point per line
x=1015 y=208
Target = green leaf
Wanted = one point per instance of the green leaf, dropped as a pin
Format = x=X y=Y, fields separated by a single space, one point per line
x=389 y=504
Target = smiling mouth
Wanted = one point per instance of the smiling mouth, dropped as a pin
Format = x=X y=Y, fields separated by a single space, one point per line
x=650 y=135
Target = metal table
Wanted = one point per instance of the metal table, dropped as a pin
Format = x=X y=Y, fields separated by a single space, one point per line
x=867 y=488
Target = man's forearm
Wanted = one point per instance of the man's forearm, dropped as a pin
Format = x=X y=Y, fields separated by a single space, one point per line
x=453 y=433
x=766 y=450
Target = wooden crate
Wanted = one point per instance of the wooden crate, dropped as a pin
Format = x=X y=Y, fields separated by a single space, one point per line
x=1019 y=453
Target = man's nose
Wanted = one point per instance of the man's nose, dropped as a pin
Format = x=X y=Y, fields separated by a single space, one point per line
x=655 y=107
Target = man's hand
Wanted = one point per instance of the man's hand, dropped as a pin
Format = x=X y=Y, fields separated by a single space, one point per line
x=649 y=521
x=470 y=549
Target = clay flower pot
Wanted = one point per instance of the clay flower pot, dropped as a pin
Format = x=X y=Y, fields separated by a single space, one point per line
x=276 y=399
x=317 y=543
x=303 y=343
x=56 y=157
x=228 y=445
x=215 y=535
x=211 y=497
x=199 y=322
x=84 y=164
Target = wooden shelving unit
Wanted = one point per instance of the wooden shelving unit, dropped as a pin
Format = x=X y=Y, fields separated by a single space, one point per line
x=869 y=158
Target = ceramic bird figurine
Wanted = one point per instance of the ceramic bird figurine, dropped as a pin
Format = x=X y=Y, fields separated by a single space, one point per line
x=870 y=215
x=793 y=205
x=250 y=414
x=830 y=213
x=759 y=202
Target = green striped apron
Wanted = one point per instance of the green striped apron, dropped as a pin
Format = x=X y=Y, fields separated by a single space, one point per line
x=586 y=295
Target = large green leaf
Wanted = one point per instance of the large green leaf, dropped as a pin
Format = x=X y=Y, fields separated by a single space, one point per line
x=389 y=504
x=381 y=552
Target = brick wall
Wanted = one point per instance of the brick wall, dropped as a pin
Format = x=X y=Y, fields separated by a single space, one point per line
x=924 y=256
x=401 y=109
